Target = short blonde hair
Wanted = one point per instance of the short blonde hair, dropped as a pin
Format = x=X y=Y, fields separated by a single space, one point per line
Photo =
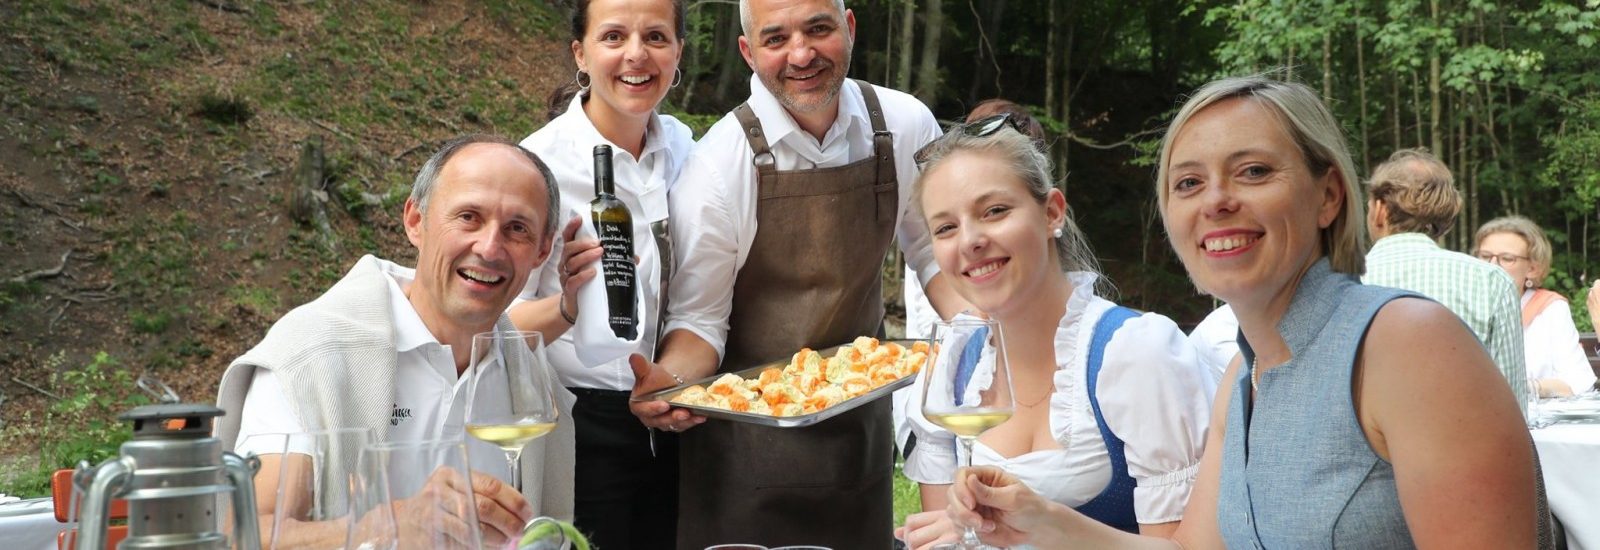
x=1539 y=250
x=1320 y=140
x=1418 y=191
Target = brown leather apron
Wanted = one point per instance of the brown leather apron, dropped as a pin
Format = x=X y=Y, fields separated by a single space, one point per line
x=812 y=279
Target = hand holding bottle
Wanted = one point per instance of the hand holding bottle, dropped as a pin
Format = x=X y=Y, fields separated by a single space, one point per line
x=578 y=257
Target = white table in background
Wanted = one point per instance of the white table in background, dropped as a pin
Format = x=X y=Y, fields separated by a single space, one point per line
x=1570 y=457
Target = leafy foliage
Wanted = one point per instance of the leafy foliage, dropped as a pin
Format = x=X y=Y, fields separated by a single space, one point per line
x=80 y=426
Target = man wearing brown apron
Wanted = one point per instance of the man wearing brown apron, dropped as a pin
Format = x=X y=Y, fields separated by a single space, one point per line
x=781 y=219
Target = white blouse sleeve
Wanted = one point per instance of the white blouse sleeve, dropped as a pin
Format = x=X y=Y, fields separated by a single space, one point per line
x=706 y=247
x=1556 y=332
x=1155 y=393
x=933 y=459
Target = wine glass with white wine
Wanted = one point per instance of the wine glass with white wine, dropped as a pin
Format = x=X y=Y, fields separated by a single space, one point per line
x=966 y=389
x=511 y=398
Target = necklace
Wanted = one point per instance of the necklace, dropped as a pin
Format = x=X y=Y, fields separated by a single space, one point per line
x=1047 y=393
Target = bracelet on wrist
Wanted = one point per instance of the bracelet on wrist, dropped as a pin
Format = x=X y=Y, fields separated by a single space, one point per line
x=568 y=317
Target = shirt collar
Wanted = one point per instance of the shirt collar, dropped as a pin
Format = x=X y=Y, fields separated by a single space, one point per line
x=1406 y=240
x=777 y=124
x=576 y=124
x=409 y=331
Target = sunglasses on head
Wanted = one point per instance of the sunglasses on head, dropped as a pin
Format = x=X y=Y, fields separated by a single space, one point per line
x=983 y=127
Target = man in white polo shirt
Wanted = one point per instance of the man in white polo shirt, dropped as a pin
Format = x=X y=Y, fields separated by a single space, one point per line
x=387 y=347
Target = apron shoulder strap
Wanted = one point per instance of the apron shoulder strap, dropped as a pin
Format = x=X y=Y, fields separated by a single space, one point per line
x=874 y=109
x=882 y=140
x=760 y=151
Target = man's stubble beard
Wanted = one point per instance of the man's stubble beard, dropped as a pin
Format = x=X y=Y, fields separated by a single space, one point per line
x=840 y=71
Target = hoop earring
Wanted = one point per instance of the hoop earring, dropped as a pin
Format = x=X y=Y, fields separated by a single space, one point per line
x=1527 y=283
x=677 y=77
x=581 y=79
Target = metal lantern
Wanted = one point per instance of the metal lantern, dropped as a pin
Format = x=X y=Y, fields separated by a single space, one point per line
x=171 y=474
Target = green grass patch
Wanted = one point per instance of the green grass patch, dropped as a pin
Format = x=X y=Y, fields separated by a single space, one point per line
x=258 y=300
x=95 y=36
x=907 y=496
x=13 y=293
x=150 y=322
x=223 y=109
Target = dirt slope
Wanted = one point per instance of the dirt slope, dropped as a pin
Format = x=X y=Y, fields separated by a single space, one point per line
x=153 y=144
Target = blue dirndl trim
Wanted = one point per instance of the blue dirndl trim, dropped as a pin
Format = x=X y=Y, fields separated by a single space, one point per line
x=1114 y=505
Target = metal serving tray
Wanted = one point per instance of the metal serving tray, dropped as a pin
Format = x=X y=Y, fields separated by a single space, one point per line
x=782 y=421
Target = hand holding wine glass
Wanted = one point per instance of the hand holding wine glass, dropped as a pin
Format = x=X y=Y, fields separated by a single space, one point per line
x=511 y=398
x=965 y=393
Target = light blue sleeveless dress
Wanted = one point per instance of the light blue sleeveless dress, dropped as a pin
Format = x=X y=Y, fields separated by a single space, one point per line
x=1297 y=470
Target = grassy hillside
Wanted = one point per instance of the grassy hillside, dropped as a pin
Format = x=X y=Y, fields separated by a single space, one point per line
x=147 y=163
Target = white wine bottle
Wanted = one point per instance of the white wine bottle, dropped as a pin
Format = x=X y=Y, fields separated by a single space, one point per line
x=614 y=224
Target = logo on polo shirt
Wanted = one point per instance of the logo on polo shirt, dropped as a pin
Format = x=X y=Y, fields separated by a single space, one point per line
x=399 y=415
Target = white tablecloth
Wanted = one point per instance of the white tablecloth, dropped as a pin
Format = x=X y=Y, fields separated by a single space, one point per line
x=1570 y=456
x=29 y=525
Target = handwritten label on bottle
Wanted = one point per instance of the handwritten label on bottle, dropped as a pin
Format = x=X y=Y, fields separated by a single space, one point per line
x=617 y=241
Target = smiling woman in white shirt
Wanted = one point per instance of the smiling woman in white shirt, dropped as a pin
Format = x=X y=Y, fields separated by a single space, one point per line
x=1556 y=360
x=627 y=53
x=1111 y=404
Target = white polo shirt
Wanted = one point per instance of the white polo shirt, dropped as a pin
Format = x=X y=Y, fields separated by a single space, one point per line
x=429 y=401
x=714 y=202
x=566 y=145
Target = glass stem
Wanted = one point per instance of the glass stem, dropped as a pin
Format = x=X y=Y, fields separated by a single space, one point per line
x=969 y=537
x=513 y=459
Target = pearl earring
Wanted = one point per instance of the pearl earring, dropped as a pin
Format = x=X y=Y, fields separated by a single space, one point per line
x=1057 y=233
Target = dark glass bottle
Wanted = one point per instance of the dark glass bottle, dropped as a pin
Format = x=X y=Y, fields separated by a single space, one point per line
x=615 y=226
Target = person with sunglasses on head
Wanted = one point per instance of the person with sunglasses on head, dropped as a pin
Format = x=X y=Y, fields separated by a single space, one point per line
x=920 y=315
x=781 y=220
x=1555 y=357
x=627 y=53
x=1412 y=202
x=1111 y=405
x=1356 y=416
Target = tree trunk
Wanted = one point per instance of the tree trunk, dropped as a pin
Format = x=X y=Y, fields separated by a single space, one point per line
x=908 y=20
x=1468 y=175
x=986 y=64
x=1361 y=87
x=1327 y=65
x=1416 y=108
x=1433 y=83
x=1050 y=60
x=1394 y=104
x=732 y=65
x=928 y=73
x=1067 y=91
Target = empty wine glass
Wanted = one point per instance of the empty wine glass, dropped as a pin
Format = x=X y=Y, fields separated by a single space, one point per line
x=510 y=399
x=966 y=388
x=315 y=470
x=414 y=494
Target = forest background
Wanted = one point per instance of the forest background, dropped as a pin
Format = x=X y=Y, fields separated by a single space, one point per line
x=177 y=174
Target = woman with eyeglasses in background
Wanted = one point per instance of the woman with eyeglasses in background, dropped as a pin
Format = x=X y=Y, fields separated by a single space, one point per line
x=1119 y=438
x=1555 y=359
